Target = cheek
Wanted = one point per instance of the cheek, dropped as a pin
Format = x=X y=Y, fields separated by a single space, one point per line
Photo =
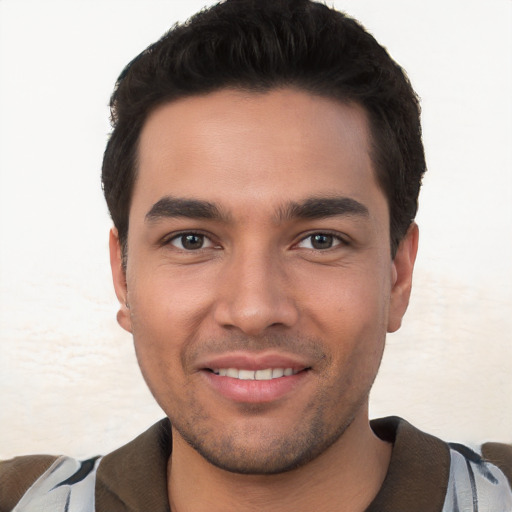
x=349 y=312
x=169 y=303
x=169 y=311
x=348 y=299
x=162 y=322
x=158 y=339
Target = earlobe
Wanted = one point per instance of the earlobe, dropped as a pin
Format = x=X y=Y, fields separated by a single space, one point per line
x=402 y=270
x=119 y=279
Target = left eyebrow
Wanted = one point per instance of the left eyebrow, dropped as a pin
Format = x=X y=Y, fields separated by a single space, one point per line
x=322 y=207
x=174 y=207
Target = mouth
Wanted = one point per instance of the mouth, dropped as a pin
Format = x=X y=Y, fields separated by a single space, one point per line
x=263 y=374
x=257 y=384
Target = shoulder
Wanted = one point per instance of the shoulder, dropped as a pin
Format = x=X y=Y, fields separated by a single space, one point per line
x=476 y=479
x=18 y=474
x=67 y=484
x=500 y=455
x=429 y=474
x=133 y=477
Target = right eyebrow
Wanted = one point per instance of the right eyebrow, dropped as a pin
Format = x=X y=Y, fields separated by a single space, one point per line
x=173 y=207
x=322 y=207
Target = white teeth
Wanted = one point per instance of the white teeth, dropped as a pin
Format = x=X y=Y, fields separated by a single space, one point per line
x=244 y=375
x=263 y=374
x=277 y=372
x=266 y=374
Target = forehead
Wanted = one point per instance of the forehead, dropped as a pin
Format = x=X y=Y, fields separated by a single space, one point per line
x=234 y=147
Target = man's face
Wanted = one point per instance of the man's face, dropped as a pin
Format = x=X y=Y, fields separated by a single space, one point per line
x=259 y=278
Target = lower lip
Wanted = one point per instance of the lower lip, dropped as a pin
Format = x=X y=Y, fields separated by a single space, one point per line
x=255 y=391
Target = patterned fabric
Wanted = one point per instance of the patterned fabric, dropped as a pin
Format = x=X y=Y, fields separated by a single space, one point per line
x=474 y=486
x=67 y=486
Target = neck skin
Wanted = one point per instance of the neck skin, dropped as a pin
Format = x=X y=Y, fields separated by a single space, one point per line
x=346 y=477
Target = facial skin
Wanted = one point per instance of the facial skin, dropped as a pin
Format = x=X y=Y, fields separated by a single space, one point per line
x=259 y=238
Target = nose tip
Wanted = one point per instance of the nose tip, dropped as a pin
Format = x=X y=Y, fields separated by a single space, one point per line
x=254 y=320
x=253 y=303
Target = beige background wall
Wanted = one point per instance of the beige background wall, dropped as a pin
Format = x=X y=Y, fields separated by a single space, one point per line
x=68 y=377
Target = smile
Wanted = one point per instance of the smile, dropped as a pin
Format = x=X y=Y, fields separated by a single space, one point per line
x=262 y=385
x=265 y=374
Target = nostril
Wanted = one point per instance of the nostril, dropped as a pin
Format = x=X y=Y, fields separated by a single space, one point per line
x=254 y=309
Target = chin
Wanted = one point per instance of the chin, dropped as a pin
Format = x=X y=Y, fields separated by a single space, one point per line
x=257 y=451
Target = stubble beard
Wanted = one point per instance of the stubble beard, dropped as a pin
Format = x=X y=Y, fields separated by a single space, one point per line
x=273 y=453
x=255 y=448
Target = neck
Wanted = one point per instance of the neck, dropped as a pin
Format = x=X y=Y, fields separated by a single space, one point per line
x=346 y=477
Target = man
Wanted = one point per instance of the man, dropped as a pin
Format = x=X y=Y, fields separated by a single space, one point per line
x=262 y=176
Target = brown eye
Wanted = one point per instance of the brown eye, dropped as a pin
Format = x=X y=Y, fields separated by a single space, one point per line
x=191 y=241
x=320 y=241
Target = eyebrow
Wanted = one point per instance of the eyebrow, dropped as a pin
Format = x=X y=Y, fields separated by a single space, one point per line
x=309 y=209
x=174 y=207
x=322 y=207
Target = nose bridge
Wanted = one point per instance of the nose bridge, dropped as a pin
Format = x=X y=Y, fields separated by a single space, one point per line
x=254 y=293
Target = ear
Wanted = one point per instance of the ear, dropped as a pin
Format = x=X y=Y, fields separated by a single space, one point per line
x=402 y=267
x=119 y=278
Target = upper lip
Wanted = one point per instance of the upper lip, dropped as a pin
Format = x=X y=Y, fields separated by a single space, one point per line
x=252 y=361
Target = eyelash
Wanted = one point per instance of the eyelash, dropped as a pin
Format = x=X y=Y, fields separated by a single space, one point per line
x=335 y=238
x=168 y=240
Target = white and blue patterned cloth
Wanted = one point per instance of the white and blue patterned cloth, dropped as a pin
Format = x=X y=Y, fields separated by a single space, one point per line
x=474 y=486
x=66 y=486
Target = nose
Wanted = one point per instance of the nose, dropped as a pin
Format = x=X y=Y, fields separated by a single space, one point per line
x=255 y=294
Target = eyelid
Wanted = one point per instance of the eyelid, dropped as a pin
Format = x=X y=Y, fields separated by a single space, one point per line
x=169 y=238
x=340 y=239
